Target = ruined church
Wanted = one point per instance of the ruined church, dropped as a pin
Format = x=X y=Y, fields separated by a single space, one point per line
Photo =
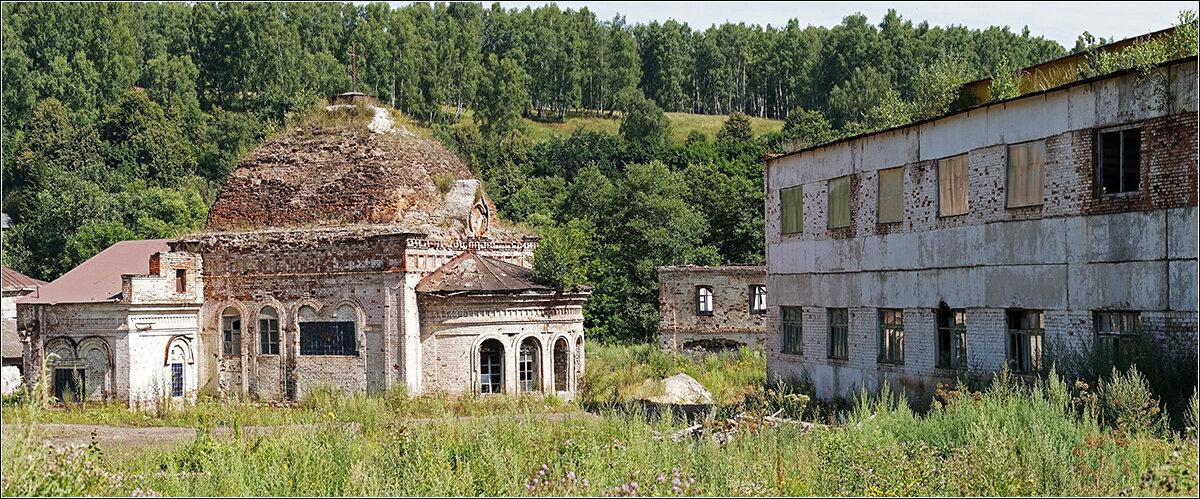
x=343 y=255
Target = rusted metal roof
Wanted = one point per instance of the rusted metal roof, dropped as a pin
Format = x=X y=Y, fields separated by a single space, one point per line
x=472 y=273
x=98 y=280
x=16 y=281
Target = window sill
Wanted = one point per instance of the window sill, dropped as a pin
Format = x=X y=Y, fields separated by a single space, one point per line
x=1024 y=206
x=838 y=360
x=953 y=215
x=890 y=223
x=1120 y=195
x=793 y=354
x=758 y=312
x=889 y=365
x=354 y=356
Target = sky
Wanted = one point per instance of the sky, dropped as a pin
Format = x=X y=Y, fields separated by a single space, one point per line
x=1059 y=21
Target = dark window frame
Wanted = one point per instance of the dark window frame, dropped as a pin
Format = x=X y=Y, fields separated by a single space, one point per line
x=180 y=280
x=891 y=336
x=951 y=332
x=328 y=338
x=491 y=368
x=1122 y=177
x=791 y=330
x=1113 y=334
x=796 y=214
x=838 y=325
x=1026 y=339
x=231 y=335
x=268 y=333
x=177 y=379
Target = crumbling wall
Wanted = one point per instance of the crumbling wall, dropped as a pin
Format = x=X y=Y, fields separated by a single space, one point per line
x=731 y=324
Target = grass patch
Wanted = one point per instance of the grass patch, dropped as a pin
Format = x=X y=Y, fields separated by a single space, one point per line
x=1049 y=437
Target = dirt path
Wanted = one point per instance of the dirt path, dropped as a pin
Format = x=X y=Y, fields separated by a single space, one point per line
x=124 y=438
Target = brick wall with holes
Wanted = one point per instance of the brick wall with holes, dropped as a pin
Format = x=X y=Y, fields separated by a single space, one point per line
x=731 y=322
x=1079 y=251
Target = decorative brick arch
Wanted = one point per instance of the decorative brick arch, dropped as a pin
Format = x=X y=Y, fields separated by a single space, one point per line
x=476 y=373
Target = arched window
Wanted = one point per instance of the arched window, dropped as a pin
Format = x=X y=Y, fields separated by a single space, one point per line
x=268 y=331
x=529 y=366
x=335 y=337
x=704 y=304
x=561 y=364
x=491 y=367
x=231 y=332
x=175 y=362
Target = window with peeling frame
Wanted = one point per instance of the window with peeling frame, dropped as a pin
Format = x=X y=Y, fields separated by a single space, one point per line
x=1025 y=332
x=268 y=331
x=791 y=329
x=1026 y=173
x=1115 y=330
x=951 y=338
x=758 y=299
x=231 y=331
x=839 y=202
x=952 y=185
x=1120 y=155
x=891 y=195
x=839 y=333
x=791 y=210
x=891 y=336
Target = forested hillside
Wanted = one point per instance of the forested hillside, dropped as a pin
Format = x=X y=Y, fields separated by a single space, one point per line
x=122 y=121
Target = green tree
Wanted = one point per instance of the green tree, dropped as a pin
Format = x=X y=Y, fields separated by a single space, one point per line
x=562 y=256
x=644 y=125
x=736 y=128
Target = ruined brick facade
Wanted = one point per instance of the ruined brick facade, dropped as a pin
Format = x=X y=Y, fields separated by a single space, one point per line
x=731 y=323
x=306 y=274
x=1076 y=255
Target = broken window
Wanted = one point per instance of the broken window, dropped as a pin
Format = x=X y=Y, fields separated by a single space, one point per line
x=758 y=299
x=268 y=332
x=952 y=186
x=951 y=338
x=529 y=366
x=704 y=304
x=561 y=356
x=327 y=338
x=231 y=330
x=180 y=280
x=1025 y=173
x=791 y=212
x=176 y=380
x=791 y=325
x=491 y=367
x=839 y=333
x=891 y=336
x=1120 y=155
x=891 y=195
x=1115 y=330
x=1025 y=332
x=839 y=202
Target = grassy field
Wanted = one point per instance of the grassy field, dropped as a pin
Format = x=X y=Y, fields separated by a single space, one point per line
x=1011 y=439
x=681 y=125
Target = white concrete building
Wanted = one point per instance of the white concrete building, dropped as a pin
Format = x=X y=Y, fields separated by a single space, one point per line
x=985 y=237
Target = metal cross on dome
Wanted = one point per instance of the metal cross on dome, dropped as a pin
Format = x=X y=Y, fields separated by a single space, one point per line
x=353 y=70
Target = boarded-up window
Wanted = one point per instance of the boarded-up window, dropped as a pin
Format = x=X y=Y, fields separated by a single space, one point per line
x=1025 y=173
x=791 y=202
x=952 y=186
x=839 y=202
x=891 y=195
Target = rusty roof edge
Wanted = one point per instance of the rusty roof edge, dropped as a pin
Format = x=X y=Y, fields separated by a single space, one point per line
x=1076 y=83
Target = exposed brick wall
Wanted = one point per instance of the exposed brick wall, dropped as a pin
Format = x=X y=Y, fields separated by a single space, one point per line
x=1119 y=252
x=731 y=320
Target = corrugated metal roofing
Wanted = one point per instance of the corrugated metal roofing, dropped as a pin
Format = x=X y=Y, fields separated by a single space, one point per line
x=99 y=279
x=16 y=281
x=472 y=273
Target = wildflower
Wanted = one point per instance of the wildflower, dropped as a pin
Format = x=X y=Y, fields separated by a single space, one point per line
x=585 y=482
x=541 y=472
x=545 y=467
x=675 y=481
x=570 y=475
x=529 y=487
x=661 y=479
x=675 y=489
x=535 y=481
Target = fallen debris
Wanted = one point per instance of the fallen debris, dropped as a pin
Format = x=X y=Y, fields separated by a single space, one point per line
x=723 y=431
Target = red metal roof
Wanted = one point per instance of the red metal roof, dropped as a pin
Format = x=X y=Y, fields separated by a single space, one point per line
x=470 y=272
x=16 y=281
x=99 y=279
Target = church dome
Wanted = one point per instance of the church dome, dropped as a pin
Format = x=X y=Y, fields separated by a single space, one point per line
x=336 y=170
